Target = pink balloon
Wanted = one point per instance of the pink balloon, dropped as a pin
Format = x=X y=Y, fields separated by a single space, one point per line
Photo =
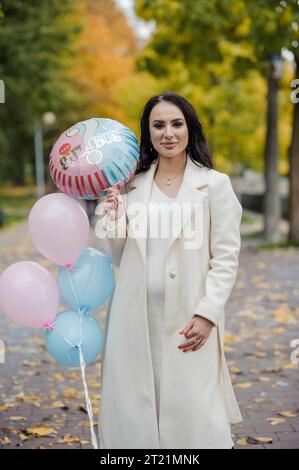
x=59 y=228
x=29 y=294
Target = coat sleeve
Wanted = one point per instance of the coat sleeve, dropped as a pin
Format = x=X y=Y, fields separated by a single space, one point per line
x=111 y=235
x=225 y=243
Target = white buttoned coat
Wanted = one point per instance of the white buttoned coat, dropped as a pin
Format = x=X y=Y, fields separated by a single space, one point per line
x=197 y=281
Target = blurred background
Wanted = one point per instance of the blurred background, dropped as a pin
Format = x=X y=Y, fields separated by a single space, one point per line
x=236 y=61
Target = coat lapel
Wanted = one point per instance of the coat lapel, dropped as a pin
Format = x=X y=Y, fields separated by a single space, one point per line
x=195 y=178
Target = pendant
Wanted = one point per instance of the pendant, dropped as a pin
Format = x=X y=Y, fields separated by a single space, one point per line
x=168 y=182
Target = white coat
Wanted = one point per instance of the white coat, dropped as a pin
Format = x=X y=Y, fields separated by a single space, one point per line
x=197 y=281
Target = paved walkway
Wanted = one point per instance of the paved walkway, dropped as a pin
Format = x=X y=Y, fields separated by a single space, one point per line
x=42 y=403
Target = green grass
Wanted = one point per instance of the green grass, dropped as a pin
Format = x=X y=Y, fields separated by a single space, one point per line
x=247 y=219
x=11 y=220
x=15 y=203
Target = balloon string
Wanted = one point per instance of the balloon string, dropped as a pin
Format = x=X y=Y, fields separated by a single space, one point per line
x=83 y=365
x=72 y=287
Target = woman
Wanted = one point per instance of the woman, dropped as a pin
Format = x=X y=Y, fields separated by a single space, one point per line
x=165 y=382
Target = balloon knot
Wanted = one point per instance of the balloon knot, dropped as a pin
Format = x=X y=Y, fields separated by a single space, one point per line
x=70 y=266
x=48 y=325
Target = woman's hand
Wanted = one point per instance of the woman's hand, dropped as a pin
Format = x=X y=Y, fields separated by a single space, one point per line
x=113 y=203
x=196 y=333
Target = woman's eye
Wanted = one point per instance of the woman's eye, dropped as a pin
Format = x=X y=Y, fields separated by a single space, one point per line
x=177 y=124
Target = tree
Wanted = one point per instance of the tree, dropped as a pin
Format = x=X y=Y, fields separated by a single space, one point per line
x=36 y=40
x=199 y=34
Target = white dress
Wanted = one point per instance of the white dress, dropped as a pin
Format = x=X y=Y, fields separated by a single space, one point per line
x=156 y=253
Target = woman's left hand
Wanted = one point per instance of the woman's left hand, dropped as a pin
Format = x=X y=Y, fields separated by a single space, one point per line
x=198 y=329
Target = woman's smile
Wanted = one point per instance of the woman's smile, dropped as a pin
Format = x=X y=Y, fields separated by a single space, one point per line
x=169 y=145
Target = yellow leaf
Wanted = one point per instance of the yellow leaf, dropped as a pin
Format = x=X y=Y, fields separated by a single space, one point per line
x=256 y=440
x=40 y=430
x=265 y=439
x=58 y=404
x=260 y=354
x=235 y=370
x=5 y=440
x=31 y=363
x=22 y=437
x=242 y=442
x=17 y=418
x=53 y=394
x=243 y=385
x=73 y=376
x=230 y=338
x=68 y=439
x=71 y=393
x=5 y=407
x=87 y=423
x=289 y=414
x=59 y=377
x=275 y=421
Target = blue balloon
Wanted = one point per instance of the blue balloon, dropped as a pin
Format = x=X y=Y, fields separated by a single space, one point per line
x=90 y=283
x=63 y=341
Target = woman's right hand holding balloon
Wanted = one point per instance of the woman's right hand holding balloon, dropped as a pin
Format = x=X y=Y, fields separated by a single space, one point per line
x=114 y=204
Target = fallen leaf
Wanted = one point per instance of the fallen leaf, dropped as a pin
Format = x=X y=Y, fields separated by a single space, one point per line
x=275 y=421
x=6 y=406
x=71 y=393
x=257 y=440
x=73 y=376
x=59 y=404
x=59 y=377
x=289 y=414
x=5 y=440
x=243 y=385
x=41 y=430
x=68 y=439
x=17 y=418
x=260 y=354
x=235 y=370
x=87 y=423
x=242 y=442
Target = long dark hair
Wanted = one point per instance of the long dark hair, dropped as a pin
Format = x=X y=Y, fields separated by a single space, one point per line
x=197 y=144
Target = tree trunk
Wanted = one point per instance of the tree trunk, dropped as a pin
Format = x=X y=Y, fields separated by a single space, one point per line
x=272 y=207
x=294 y=171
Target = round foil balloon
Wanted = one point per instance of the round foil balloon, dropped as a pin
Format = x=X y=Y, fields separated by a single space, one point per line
x=92 y=156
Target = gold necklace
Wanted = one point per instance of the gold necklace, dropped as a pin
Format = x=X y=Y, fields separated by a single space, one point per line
x=169 y=179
